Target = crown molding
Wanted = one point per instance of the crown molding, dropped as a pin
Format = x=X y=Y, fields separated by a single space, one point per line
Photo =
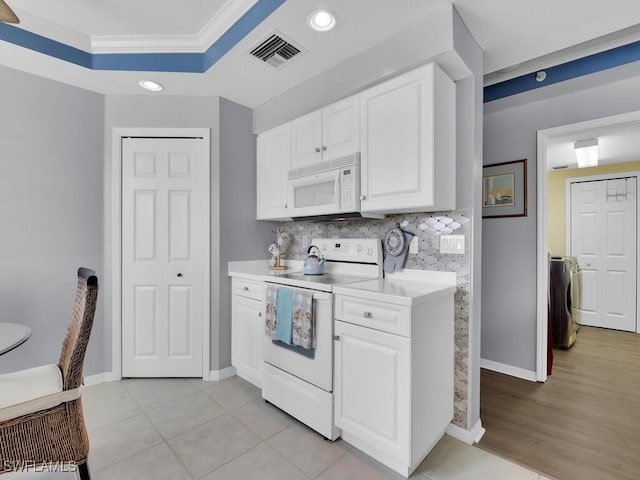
x=146 y=44
x=199 y=42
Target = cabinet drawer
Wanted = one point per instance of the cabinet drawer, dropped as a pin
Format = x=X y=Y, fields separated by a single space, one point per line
x=382 y=316
x=247 y=288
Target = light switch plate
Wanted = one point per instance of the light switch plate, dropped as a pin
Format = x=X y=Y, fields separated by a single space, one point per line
x=413 y=246
x=452 y=244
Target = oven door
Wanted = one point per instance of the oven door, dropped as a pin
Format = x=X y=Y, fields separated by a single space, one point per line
x=319 y=369
x=316 y=194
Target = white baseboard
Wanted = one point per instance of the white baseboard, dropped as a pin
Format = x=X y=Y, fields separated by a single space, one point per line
x=212 y=375
x=100 y=378
x=509 y=370
x=215 y=375
x=467 y=436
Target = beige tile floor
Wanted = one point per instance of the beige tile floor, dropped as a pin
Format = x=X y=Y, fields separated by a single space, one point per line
x=185 y=429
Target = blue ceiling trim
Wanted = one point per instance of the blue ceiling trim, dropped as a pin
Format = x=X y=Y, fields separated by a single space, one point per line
x=565 y=71
x=148 y=62
x=250 y=20
x=45 y=45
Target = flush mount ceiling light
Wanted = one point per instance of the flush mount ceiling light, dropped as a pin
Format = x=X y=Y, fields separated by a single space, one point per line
x=322 y=20
x=587 y=152
x=151 y=85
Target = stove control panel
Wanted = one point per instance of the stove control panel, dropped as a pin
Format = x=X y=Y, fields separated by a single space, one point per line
x=360 y=250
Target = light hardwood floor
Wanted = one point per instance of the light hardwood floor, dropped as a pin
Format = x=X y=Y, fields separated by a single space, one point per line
x=583 y=423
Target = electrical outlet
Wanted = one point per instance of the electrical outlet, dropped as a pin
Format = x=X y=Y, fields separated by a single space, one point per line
x=305 y=242
x=413 y=245
x=452 y=244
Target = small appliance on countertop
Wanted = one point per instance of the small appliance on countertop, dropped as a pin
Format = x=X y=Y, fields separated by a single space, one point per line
x=314 y=263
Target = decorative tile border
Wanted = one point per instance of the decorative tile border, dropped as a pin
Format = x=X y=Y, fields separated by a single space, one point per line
x=427 y=227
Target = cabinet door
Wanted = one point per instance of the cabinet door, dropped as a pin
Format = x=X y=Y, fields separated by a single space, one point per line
x=401 y=121
x=273 y=163
x=372 y=388
x=306 y=140
x=246 y=324
x=341 y=128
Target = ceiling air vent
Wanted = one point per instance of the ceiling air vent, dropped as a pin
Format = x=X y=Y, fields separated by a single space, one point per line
x=275 y=50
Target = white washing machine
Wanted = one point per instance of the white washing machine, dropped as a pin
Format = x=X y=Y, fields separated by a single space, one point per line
x=565 y=297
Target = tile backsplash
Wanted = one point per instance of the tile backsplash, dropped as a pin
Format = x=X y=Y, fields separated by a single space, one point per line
x=427 y=227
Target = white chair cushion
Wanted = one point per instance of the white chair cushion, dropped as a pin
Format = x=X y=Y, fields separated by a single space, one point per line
x=30 y=384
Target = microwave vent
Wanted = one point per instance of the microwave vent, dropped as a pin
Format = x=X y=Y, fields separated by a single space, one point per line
x=275 y=50
x=338 y=163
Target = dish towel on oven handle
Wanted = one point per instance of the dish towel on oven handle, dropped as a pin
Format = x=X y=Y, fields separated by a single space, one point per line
x=284 y=315
x=303 y=319
x=270 y=310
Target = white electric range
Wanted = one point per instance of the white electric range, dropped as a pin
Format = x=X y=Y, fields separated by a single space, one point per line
x=301 y=383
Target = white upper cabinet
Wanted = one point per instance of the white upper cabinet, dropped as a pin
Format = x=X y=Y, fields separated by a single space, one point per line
x=341 y=128
x=408 y=143
x=405 y=129
x=273 y=164
x=326 y=134
x=306 y=139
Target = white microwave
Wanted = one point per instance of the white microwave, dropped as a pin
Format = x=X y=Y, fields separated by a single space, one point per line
x=326 y=189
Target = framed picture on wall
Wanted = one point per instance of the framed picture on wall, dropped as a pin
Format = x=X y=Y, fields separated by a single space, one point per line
x=504 y=189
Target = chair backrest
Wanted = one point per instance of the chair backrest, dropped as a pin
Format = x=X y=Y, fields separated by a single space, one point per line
x=75 y=343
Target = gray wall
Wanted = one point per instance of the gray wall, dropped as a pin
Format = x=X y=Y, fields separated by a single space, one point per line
x=51 y=205
x=509 y=245
x=241 y=236
x=469 y=129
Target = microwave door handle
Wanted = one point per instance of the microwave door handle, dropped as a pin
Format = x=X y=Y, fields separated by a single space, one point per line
x=337 y=186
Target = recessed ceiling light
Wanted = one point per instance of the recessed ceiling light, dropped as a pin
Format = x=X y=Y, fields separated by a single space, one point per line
x=322 y=20
x=151 y=85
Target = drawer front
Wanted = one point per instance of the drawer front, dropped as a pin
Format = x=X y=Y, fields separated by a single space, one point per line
x=382 y=316
x=247 y=288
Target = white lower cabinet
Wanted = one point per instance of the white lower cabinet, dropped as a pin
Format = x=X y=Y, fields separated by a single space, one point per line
x=393 y=389
x=246 y=324
x=372 y=387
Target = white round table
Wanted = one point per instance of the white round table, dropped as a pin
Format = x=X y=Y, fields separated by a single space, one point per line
x=12 y=335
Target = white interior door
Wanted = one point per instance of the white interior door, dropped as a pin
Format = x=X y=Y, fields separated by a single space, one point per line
x=603 y=238
x=165 y=195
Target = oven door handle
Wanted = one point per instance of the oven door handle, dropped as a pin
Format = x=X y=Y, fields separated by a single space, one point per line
x=317 y=295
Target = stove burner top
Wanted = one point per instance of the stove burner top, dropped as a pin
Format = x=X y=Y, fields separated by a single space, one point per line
x=319 y=282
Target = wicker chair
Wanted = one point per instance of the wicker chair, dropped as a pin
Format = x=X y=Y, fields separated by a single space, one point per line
x=41 y=422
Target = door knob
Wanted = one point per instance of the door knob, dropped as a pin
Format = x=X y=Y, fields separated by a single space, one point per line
x=317 y=149
x=323 y=148
x=179 y=275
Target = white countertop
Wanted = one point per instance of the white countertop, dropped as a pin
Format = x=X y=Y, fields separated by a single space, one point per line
x=407 y=287
x=251 y=269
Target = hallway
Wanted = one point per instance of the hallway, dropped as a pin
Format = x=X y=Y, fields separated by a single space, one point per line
x=580 y=425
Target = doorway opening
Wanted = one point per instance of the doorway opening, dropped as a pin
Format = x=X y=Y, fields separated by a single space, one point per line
x=618 y=146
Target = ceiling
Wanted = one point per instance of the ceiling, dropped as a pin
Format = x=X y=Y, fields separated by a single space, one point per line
x=617 y=143
x=554 y=32
x=192 y=26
